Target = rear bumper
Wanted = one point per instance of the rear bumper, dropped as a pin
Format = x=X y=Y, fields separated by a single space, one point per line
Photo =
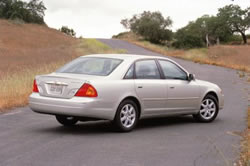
x=76 y=106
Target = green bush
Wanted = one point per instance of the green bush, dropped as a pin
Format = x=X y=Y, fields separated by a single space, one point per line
x=235 y=38
x=188 y=41
x=29 y=12
x=120 y=35
x=188 y=37
x=150 y=25
x=68 y=31
x=205 y=30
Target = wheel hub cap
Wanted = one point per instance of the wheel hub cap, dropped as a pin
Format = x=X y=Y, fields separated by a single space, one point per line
x=208 y=109
x=128 y=115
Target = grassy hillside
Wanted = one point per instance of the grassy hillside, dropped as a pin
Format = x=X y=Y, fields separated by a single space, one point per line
x=27 y=45
x=27 y=50
x=231 y=56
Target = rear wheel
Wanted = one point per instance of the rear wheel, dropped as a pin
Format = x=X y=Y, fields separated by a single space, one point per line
x=208 y=110
x=126 y=116
x=66 y=120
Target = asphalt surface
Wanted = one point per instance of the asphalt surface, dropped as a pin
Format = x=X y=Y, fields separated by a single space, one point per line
x=30 y=139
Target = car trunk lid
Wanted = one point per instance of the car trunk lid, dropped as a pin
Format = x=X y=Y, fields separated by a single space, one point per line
x=61 y=85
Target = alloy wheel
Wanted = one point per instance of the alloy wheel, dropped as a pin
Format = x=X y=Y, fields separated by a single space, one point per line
x=128 y=115
x=208 y=109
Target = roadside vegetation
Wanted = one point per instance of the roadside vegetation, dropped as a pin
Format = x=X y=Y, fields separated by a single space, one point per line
x=230 y=56
x=218 y=40
x=27 y=50
x=28 y=12
x=151 y=25
x=229 y=25
x=68 y=31
x=247 y=149
x=248 y=139
x=244 y=159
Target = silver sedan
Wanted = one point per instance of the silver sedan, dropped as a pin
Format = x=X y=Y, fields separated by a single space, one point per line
x=123 y=88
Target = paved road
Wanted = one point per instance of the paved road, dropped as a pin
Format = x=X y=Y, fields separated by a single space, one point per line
x=30 y=139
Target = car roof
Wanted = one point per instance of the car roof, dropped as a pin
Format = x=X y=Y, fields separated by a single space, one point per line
x=126 y=56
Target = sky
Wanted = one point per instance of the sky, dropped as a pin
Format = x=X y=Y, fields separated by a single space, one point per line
x=101 y=18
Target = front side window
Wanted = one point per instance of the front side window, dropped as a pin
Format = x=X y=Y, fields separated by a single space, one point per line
x=91 y=66
x=146 y=69
x=172 y=71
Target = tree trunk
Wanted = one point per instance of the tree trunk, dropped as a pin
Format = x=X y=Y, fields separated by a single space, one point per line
x=207 y=40
x=218 y=41
x=244 y=37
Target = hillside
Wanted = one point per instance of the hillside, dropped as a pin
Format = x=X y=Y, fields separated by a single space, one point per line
x=30 y=45
x=28 y=49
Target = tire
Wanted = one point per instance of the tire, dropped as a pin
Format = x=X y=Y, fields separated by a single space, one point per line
x=66 y=120
x=208 y=110
x=127 y=116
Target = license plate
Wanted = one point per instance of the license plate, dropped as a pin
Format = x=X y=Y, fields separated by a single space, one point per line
x=56 y=89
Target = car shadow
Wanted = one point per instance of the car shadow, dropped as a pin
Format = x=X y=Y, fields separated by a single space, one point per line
x=107 y=127
x=90 y=127
x=165 y=122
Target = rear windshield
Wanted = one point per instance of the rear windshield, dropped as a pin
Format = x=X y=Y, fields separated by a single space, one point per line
x=91 y=66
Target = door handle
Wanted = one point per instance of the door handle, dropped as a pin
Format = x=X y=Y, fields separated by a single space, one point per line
x=172 y=87
x=140 y=87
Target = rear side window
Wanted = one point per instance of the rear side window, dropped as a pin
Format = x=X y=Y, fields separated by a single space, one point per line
x=130 y=73
x=91 y=66
x=147 y=69
x=172 y=71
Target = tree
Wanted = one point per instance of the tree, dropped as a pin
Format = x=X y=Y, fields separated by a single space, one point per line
x=150 y=25
x=30 y=12
x=68 y=31
x=188 y=37
x=36 y=9
x=237 y=19
x=211 y=30
x=206 y=30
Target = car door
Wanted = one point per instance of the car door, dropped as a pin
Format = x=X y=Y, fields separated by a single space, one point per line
x=182 y=94
x=150 y=87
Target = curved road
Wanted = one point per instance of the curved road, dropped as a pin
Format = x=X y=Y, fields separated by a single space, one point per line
x=32 y=139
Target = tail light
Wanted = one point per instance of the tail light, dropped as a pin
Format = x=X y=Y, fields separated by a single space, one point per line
x=86 y=90
x=35 y=88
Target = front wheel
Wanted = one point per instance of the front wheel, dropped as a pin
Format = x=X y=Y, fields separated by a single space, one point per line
x=208 y=110
x=126 y=116
x=66 y=120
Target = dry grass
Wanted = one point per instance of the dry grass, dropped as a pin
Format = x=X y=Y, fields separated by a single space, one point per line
x=235 y=57
x=27 y=45
x=245 y=146
x=16 y=87
x=248 y=136
x=27 y=50
x=248 y=139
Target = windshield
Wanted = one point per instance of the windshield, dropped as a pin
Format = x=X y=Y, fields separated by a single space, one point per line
x=91 y=66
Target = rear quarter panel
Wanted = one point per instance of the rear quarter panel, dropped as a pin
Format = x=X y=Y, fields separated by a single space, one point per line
x=112 y=92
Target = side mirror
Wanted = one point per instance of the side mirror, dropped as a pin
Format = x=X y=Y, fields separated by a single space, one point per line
x=191 y=77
